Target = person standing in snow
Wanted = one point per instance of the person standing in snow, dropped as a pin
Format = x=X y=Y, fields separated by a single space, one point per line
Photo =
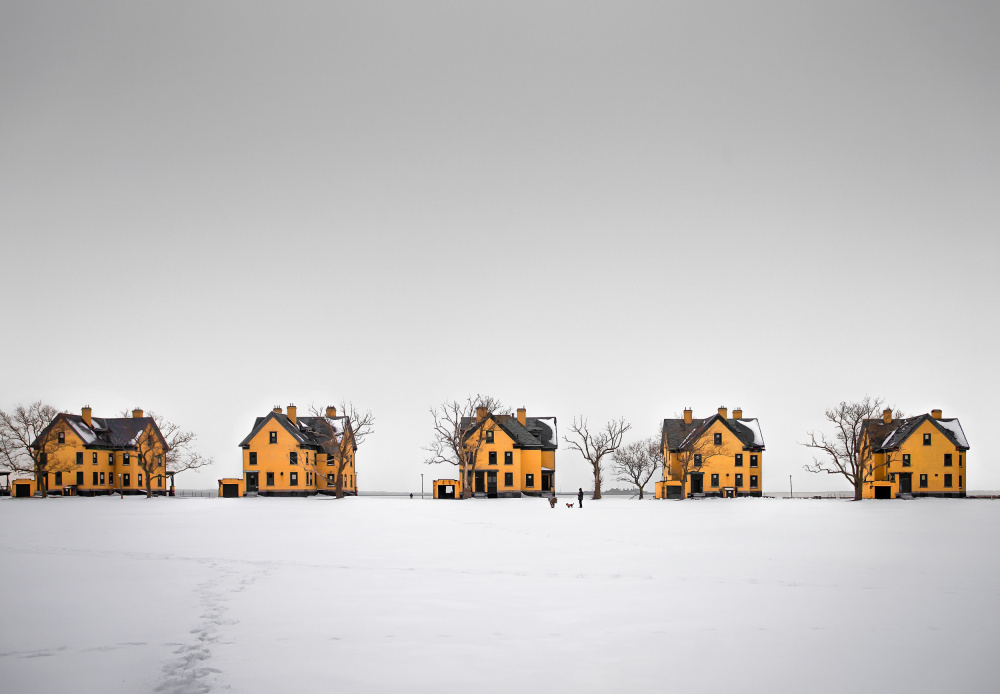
x=579 y=497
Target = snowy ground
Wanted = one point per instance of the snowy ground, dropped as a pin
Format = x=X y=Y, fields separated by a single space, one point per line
x=391 y=595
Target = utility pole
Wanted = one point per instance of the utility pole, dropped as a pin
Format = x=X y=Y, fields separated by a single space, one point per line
x=421 y=485
x=791 y=493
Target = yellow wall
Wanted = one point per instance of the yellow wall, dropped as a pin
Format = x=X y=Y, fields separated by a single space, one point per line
x=311 y=469
x=524 y=462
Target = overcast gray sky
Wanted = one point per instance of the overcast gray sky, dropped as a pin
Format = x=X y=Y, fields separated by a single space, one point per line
x=209 y=208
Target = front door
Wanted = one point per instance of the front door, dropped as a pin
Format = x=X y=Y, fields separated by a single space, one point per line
x=252 y=481
x=491 y=484
x=546 y=481
x=905 y=482
x=696 y=483
x=480 y=481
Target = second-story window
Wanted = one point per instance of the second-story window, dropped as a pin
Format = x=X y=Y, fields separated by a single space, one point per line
x=111 y=458
x=947 y=459
x=697 y=459
x=125 y=459
x=293 y=458
x=79 y=458
x=960 y=460
x=753 y=460
x=94 y=459
x=927 y=439
x=739 y=460
x=493 y=457
x=906 y=460
x=253 y=457
x=508 y=457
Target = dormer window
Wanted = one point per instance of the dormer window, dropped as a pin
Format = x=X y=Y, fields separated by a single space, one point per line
x=272 y=437
x=717 y=439
x=927 y=439
x=489 y=436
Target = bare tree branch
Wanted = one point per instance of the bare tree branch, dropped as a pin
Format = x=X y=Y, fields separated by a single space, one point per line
x=637 y=462
x=19 y=429
x=594 y=447
x=458 y=436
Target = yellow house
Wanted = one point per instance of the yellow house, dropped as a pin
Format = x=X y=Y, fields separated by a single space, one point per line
x=924 y=455
x=516 y=456
x=715 y=456
x=289 y=455
x=91 y=456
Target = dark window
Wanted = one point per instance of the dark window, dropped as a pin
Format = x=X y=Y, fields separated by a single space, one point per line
x=58 y=479
x=493 y=457
x=308 y=478
x=111 y=458
x=94 y=459
x=140 y=479
x=125 y=458
x=892 y=476
x=906 y=460
x=272 y=437
x=739 y=460
x=102 y=478
x=717 y=439
x=697 y=459
x=79 y=479
x=293 y=458
x=508 y=479
x=79 y=458
x=947 y=459
x=508 y=457
x=293 y=479
x=959 y=481
x=927 y=439
x=753 y=481
x=253 y=457
x=95 y=479
x=126 y=480
x=947 y=480
x=331 y=479
x=489 y=436
x=753 y=461
x=62 y=437
x=159 y=480
x=715 y=479
x=739 y=479
x=529 y=481
x=270 y=479
x=960 y=460
x=923 y=480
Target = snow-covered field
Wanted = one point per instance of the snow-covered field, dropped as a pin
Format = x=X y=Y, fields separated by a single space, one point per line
x=392 y=595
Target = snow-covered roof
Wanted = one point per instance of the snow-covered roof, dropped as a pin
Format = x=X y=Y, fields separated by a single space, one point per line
x=83 y=431
x=552 y=437
x=754 y=426
x=955 y=428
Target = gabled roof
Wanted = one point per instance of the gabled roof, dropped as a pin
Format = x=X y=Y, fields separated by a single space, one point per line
x=536 y=432
x=104 y=432
x=678 y=435
x=307 y=431
x=889 y=437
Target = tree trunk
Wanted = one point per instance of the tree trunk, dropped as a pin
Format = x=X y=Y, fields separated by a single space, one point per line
x=41 y=481
x=466 y=475
x=858 y=486
x=640 y=493
x=597 y=481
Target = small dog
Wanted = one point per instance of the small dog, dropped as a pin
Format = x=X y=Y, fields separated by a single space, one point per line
x=570 y=505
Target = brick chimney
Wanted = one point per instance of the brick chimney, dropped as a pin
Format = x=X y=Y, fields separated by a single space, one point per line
x=137 y=413
x=481 y=413
x=331 y=411
x=936 y=414
x=887 y=415
x=687 y=415
x=277 y=408
x=291 y=414
x=738 y=413
x=723 y=412
x=85 y=413
x=522 y=416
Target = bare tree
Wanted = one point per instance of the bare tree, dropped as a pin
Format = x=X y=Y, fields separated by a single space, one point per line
x=340 y=437
x=150 y=452
x=847 y=451
x=694 y=455
x=181 y=454
x=637 y=462
x=594 y=447
x=19 y=429
x=458 y=436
